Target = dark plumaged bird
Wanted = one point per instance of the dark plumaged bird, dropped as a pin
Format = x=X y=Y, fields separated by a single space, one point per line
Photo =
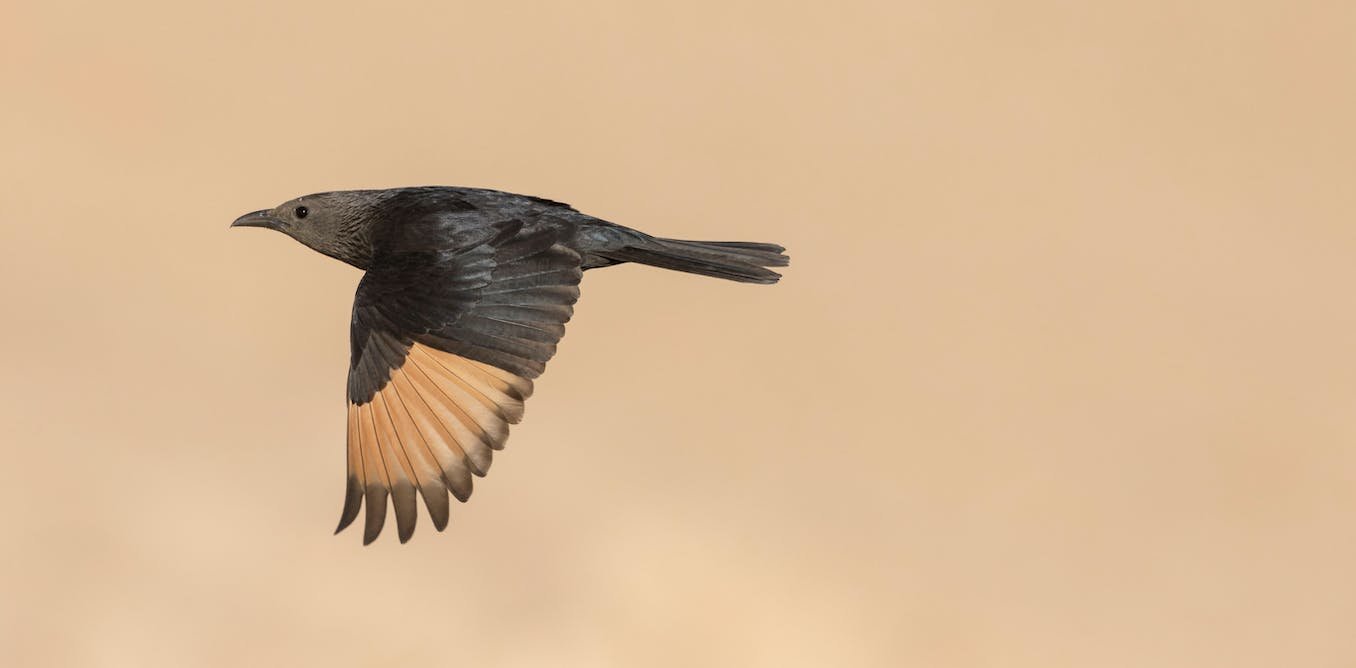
x=466 y=293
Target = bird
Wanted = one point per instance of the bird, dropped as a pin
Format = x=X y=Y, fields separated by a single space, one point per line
x=464 y=299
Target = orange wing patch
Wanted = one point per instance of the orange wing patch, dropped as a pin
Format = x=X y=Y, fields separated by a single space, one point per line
x=427 y=431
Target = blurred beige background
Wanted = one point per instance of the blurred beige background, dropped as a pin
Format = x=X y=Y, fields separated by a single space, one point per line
x=1062 y=373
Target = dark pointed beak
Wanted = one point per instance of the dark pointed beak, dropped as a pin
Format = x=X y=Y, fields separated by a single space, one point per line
x=263 y=218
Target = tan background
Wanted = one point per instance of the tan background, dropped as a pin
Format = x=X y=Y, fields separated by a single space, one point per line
x=1062 y=375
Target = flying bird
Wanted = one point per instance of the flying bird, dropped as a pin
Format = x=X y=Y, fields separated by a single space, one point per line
x=465 y=296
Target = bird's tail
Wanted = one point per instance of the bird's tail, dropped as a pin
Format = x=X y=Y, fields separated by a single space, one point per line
x=741 y=261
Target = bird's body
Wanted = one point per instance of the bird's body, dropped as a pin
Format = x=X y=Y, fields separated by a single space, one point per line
x=465 y=296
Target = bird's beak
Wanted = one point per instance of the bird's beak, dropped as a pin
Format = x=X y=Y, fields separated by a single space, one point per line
x=262 y=218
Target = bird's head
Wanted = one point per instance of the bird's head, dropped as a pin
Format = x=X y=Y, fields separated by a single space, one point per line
x=334 y=223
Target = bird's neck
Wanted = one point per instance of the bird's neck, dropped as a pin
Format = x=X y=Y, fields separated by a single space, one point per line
x=352 y=245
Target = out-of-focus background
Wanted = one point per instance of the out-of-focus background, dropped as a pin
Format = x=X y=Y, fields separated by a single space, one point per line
x=1062 y=373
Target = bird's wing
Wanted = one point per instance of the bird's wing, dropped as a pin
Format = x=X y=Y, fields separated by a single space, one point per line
x=445 y=345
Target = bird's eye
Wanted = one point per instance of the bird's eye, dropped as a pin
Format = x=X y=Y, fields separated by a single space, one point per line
x=301 y=211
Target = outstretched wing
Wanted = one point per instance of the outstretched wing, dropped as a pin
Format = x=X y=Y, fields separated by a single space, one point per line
x=445 y=345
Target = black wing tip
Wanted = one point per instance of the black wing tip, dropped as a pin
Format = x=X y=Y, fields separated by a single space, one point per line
x=376 y=513
x=476 y=469
x=370 y=532
x=406 y=509
x=353 y=501
x=343 y=524
x=405 y=526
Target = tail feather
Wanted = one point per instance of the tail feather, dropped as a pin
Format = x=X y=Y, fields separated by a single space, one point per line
x=741 y=261
x=766 y=255
x=746 y=245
